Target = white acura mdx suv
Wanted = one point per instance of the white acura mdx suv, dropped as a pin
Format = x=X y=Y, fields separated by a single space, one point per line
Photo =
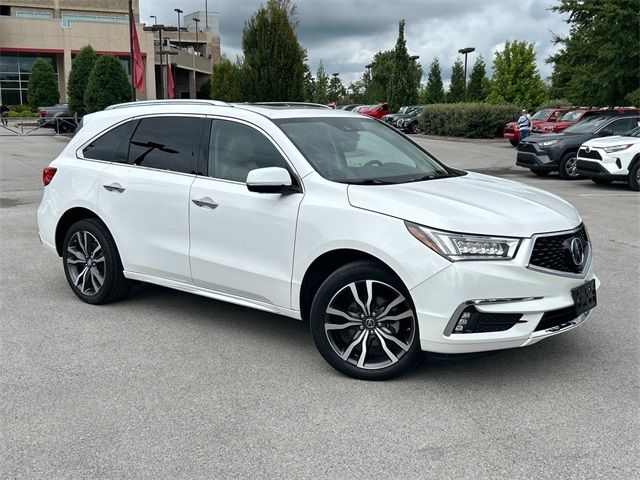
x=321 y=215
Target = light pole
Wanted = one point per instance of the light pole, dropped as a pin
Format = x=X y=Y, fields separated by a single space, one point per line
x=197 y=20
x=155 y=19
x=206 y=14
x=178 y=11
x=466 y=51
x=414 y=57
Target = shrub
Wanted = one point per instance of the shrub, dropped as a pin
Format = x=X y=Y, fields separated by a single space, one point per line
x=43 y=85
x=78 y=78
x=470 y=120
x=108 y=84
x=633 y=98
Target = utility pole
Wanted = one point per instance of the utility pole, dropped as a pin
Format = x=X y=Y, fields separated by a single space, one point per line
x=132 y=25
x=178 y=11
x=465 y=51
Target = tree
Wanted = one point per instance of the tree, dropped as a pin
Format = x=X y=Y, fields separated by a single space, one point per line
x=226 y=81
x=337 y=91
x=381 y=71
x=309 y=84
x=108 y=84
x=321 y=93
x=434 y=90
x=43 y=85
x=273 y=58
x=515 y=77
x=404 y=84
x=78 y=77
x=598 y=63
x=456 y=88
x=476 y=88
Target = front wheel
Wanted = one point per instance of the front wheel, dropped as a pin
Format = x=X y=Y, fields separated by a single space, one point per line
x=568 y=168
x=634 y=177
x=92 y=264
x=414 y=128
x=364 y=324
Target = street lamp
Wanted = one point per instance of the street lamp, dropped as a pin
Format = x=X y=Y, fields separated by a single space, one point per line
x=160 y=29
x=465 y=51
x=206 y=14
x=155 y=19
x=197 y=20
x=414 y=57
x=178 y=11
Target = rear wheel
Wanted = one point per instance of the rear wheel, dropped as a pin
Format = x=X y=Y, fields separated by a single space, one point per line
x=601 y=181
x=92 y=264
x=634 y=177
x=568 y=168
x=364 y=324
x=540 y=172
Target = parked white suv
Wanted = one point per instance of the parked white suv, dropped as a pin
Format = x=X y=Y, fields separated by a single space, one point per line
x=611 y=159
x=322 y=215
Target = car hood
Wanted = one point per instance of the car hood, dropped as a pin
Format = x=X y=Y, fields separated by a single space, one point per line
x=613 y=140
x=471 y=203
x=537 y=138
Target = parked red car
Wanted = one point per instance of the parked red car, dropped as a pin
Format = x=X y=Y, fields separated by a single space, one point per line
x=578 y=114
x=549 y=115
x=377 y=111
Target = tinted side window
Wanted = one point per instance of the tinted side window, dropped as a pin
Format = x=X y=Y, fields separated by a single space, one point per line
x=622 y=125
x=236 y=149
x=168 y=143
x=113 y=145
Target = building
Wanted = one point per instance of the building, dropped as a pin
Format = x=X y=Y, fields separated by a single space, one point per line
x=56 y=30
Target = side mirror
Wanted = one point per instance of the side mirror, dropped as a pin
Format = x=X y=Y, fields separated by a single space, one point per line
x=270 y=180
x=605 y=132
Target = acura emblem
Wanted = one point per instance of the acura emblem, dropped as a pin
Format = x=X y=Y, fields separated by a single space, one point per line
x=577 y=251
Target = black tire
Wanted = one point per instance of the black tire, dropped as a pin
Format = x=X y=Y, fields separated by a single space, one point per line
x=601 y=181
x=634 y=177
x=414 y=128
x=514 y=143
x=540 y=172
x=88 y=254
x=367 y=327
x=567 y=167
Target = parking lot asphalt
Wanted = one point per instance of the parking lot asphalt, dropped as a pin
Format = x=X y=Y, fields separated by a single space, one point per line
x=169 y=385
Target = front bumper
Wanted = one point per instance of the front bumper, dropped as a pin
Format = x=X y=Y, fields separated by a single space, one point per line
x=498 y=288
x=609 y=168
x=531 y=156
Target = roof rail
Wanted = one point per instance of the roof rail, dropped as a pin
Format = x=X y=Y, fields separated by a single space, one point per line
x=150 y=103
x=289 y=104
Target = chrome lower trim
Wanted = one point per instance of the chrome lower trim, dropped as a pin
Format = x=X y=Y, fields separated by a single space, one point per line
x=451 y=324
x=561 y=328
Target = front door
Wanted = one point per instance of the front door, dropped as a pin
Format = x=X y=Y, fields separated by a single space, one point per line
x=242 y=242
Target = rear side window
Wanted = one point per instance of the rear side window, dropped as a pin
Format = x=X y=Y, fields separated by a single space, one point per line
x=168 y=143
x=112 y=146
x=622 y=125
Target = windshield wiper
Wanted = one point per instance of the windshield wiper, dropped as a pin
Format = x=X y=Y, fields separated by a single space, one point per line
x=429 y=176
x=370 y=181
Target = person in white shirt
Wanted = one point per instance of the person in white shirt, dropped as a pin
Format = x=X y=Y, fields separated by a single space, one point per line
x=524 y=125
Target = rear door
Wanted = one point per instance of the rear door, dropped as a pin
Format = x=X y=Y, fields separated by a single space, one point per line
x=144 y=194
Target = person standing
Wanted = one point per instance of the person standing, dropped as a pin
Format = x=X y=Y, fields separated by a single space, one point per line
x=524 y=125
x=4 y=114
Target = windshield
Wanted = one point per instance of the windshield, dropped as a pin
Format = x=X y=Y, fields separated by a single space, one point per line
x=633 y=133
x=572 y=116
x=360 y=150
x=589 y=125
x=541 y=115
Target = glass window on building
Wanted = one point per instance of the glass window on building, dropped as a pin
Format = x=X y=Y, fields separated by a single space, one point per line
x=15 y=69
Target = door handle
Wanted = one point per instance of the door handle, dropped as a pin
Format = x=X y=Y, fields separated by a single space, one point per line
x=114 y=187
x=205 y=202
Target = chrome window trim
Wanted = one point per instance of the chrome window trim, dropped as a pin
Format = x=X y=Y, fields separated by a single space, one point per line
x=588 y=252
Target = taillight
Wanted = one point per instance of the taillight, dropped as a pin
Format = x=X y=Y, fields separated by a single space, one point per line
x=47 y=175
x=43 y=113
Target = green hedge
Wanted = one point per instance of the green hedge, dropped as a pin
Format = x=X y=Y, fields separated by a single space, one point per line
x=470 y=120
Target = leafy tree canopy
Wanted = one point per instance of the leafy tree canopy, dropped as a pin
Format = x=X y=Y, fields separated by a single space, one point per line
x=78 y=78
x=43 y=85
x=108 y=84
x=226 y=80
x=405 y=81
x=456 y=89
x=476 y=88
x=434 y=89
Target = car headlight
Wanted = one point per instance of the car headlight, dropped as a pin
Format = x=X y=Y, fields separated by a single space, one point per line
x=617 y=148
x=548 y=143
x=462 y=246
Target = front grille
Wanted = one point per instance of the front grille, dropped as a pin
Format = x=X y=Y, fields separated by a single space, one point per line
x=555 y=318
x=590 y=167
x=592 y=154
x=526 y=147
x=553 y=252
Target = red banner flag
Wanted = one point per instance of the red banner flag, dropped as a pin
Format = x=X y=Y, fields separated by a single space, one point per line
x=137 y=67
x=170 y=84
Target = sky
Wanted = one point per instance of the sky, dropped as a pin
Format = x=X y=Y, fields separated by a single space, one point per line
x=346 y=34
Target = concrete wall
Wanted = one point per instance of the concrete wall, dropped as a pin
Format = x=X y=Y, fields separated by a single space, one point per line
x=102 y=6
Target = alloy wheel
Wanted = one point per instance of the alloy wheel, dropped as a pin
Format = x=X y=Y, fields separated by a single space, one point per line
x=85 y=263
x=571 y=167
x=369 y=324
